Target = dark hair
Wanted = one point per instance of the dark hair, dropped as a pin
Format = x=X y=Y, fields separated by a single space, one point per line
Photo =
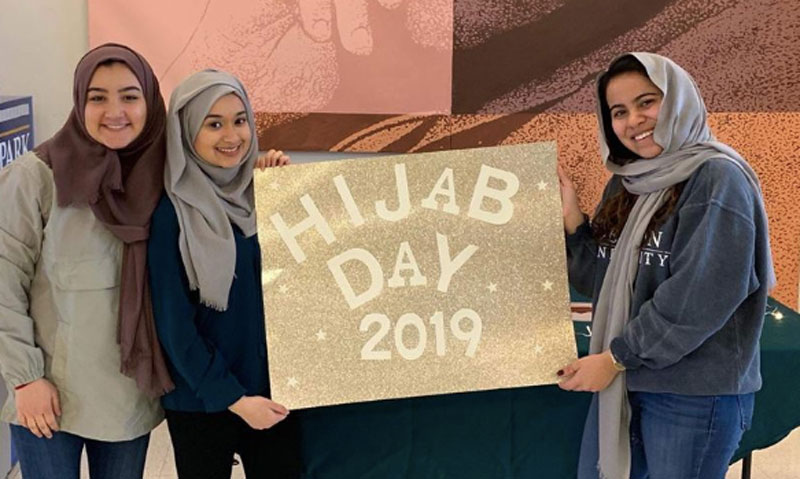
x=108 y=63
x=613 y=213
x=111 y=61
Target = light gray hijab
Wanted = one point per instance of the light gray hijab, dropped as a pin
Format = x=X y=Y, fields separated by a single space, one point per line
x=208 y=199
x=682 y=131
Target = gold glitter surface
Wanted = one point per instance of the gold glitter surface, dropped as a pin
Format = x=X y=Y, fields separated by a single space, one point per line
x=504 y=320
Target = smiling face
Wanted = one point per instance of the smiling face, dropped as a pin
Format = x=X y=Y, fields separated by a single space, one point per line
x=115 y=110
x=225 y=136
x=634 y=102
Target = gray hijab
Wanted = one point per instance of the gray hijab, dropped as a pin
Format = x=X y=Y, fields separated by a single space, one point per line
x=208 y=199
x=682 y=131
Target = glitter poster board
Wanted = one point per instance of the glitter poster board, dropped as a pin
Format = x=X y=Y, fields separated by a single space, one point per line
x=414 y=275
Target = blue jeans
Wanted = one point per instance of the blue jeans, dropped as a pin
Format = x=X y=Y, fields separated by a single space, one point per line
x=675 y=436
x=686 y=437
x=60 y=457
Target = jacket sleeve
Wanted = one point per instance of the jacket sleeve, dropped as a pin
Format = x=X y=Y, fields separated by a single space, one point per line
x=712 y=272
x=582 y=247
x=176 y=310
x=24 y=207
x=581 y=259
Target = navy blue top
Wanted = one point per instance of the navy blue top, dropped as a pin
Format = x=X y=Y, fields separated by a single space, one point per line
x=215 y=357
x=697 y=306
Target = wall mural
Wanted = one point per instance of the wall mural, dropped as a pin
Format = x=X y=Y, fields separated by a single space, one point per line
x=427 y=75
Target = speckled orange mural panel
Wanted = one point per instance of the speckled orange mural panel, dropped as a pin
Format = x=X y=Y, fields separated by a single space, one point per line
x=769 y=141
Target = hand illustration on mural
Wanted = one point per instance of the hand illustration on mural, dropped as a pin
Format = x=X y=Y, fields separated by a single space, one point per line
x=290 y=54
x=261 y=42
x=352 y=22
x=429 y=22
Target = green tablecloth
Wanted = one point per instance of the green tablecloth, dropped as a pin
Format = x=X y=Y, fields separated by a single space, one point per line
x=512 y=434
x=778 y=403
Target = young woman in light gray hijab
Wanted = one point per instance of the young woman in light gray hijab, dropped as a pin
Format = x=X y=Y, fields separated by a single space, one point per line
x=205 y=276
x=678 y=263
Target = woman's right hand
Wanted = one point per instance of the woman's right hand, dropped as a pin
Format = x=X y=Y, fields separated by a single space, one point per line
x=271 y=159
x=573 y=216
x=259 y=412
x=38 y=407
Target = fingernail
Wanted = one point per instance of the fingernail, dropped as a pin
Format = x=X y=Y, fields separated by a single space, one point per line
x=361 y=41
x=560 y=372
x=321 y=30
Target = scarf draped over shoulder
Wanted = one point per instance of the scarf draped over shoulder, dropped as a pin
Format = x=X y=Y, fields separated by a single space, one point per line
x=122 y=187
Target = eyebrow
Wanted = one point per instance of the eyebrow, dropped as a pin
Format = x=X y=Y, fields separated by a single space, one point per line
x=121 y=90
x=212 y=115
x=635 y=100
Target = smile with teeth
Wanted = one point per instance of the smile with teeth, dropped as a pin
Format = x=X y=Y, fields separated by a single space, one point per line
x=642 y=136
x=228 y=150
x=116 y=127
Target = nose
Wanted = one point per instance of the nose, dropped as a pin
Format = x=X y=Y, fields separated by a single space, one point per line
x=229 y=133
x=636 y=117
x=114 y=109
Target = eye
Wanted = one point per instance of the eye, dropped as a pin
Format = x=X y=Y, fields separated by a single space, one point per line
x=214 y=125
x=130 y=98
x=96 y=98
x=619 y=113
x=242 y=120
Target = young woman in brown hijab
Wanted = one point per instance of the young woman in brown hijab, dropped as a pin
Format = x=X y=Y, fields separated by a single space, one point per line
x=77 y=339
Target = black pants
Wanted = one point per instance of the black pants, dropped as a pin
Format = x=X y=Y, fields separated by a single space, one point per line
x=204 y=445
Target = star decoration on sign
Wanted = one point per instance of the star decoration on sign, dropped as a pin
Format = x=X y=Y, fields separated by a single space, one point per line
x=283 y=289
x=492 y=287
x=538 y=349
x=293 y=382
x=547 y=285
x=321 y=335
x=542 y=185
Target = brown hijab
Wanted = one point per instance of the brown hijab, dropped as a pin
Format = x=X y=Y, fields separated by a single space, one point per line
x=122 y=187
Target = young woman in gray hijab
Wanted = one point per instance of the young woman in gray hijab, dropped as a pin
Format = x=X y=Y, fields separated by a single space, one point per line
x=205 y=276
x=678 y=263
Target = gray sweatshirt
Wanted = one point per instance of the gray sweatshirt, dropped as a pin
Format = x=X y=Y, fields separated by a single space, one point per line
x=697 y=306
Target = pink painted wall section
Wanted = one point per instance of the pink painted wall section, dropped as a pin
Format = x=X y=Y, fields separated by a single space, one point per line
x=334 y=56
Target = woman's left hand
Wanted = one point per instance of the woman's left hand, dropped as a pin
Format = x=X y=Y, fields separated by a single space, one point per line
x=590 y=373
x=272 y=158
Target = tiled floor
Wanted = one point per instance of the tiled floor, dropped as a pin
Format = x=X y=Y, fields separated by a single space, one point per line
x=781 y=461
